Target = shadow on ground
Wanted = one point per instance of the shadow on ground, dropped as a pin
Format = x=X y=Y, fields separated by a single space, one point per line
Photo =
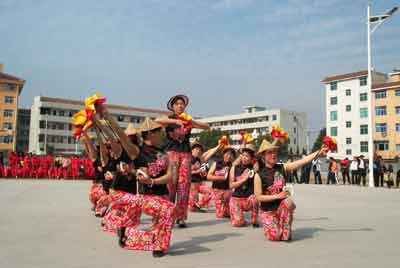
x=309 y=232
x=194 y=245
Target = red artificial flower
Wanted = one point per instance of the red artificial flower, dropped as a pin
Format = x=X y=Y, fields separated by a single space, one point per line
x=330 y=143
x=224 y=141
x=245 y=137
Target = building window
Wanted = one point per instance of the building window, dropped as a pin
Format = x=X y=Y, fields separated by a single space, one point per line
x=334 y=131
x=348 y=124
x=363 y=81
x=7 y=126
x=333 y=115
x=397 y=127
x=380 y=110
x=61 y=113
x=348 y=140
x=120 y=118
x=42 y=124
x=397 y=109
x=294 y=130
x=348 y=151
x=363 y=96
x=8 y=87
x=363 y=112
x=380 y=94
x=382 y=145
x=8 y=99
x=8 y=113
x=348 y=108
x=381 y=127
x=364 y=147
x=397 y=92
x=44 y=111
x=348 y=92
x=274 y=117
x=398 y=147
x=333 y=100
x=6 y=139
x=363 y=129
x=333 y=86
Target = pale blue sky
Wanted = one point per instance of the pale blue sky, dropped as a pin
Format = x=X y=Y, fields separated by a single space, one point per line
x=224 y=54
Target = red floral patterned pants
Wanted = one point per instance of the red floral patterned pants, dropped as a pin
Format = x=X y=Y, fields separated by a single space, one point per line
x=237 y=208
x=158 y=235
x=221 y=200
x=179 y=191
x=197 y=188
x=278 y=223
x=96 y=192
x=116 y=213
x=103 y=203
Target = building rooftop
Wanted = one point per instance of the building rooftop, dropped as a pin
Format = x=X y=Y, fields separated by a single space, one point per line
x=346 y=76
x=385 y=85
x=10 y=78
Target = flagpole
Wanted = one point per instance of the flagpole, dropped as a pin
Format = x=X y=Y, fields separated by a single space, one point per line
x=369 y=88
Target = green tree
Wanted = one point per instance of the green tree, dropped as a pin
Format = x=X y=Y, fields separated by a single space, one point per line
x=318 y=141
x=209 y=138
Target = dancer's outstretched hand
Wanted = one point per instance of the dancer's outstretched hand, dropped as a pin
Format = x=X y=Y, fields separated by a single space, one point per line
x=324 y=150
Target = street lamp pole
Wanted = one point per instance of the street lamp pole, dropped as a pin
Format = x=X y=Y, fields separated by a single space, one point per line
x=370 y=108
x=378 y=20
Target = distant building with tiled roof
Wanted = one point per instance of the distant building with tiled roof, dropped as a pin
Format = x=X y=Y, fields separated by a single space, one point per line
x=347 y=113
x=51 y=128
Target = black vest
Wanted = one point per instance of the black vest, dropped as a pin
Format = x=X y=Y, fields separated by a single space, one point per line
x=196 y=177
x=178 y=137
x=268 y=176
x=155 y=160
x=220 y=166
x=247 y=188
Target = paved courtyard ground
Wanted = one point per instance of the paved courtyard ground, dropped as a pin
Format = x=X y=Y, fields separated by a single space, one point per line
x=48 y=224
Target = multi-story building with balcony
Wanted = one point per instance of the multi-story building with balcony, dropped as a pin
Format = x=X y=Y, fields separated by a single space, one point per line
x=260 y=121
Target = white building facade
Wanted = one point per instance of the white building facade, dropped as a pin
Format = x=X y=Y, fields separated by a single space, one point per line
x=347 y=111
x=51 y=128
x=260 y=121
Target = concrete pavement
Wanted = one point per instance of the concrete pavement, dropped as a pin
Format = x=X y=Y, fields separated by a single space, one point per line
x=49 y=224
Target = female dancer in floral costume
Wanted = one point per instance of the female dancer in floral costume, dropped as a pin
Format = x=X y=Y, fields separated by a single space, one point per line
x=241 y=180
x=154 y=172
x=199 y=174
x=277 y=208
x=123 y=189
x=178 y=127
x=219 y=175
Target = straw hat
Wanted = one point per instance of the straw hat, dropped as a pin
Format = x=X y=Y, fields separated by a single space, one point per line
x=176 y=97
x=149 y=125
x=131 y=130
x=248 y=147
x=267 y=146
